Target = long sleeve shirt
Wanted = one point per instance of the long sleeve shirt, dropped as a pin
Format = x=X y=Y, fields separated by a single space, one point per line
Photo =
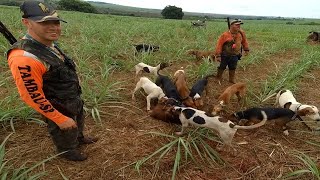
x=226 y=41
x=27 y=71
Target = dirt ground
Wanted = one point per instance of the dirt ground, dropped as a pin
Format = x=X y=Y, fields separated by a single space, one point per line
x=124 y=138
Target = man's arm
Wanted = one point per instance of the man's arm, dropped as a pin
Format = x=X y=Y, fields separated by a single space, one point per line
x=27 y=73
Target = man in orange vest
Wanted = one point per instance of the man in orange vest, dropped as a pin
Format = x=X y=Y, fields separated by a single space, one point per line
x=229 y=49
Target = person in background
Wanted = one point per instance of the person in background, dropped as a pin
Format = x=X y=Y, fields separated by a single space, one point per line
x=229 y=49
x=47 y=81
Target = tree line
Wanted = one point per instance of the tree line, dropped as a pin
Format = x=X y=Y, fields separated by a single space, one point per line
x=169 y=12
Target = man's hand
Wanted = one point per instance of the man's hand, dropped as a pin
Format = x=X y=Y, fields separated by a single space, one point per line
x=246 y=53
x=218 y=58
x=68 y=124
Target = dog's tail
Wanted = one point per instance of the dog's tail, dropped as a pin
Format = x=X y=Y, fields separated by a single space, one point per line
x=158 y=73
x=164 y=65
x=265 y=118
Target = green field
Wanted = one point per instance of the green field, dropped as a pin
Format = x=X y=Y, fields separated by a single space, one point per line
x=102 y=47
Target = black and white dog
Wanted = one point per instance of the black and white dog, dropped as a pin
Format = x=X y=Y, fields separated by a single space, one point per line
x=169 y=89
x=146 y=48
x=285 y=99
x=142 y=67
x=253 y=115
x=197 y=89
x=224 y=127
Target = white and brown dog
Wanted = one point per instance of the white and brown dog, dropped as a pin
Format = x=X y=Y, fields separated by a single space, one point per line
x=285 y=99
x=151 y=89
x=224 y=127
x=142 y=67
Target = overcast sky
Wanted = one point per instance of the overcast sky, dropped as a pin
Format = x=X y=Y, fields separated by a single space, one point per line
x=283 y=8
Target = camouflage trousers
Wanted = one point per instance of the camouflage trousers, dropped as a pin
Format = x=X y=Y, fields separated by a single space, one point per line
x=67 y=139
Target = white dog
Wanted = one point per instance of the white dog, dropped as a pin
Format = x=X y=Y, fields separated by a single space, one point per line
x=150 y=88
x=286 y=99
x=224 y=127
x=142 y=67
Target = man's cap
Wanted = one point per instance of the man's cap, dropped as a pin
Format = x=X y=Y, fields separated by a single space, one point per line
x=236 y=21
x=39 y=12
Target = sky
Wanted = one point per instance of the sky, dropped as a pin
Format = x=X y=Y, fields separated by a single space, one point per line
x=283 y=8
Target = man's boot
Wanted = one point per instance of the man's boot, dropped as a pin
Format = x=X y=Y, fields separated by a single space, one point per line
x=232 y=74
x=74 y=155
x=87 y=140
x=219 y=74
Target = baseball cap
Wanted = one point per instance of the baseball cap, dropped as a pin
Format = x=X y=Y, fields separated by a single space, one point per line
x=39 y=11
x=236 y=21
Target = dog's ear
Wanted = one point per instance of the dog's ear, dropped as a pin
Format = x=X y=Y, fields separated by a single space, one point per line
x=222 y=119
x=287 y=105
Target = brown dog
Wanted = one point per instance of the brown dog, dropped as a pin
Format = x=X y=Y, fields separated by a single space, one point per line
x=164 y=111
x=183 y=90
x=239 y=89
x=202 y=54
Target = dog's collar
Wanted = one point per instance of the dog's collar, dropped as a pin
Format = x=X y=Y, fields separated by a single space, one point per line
x=178 y=103
x=297 y=108
x=294 y=116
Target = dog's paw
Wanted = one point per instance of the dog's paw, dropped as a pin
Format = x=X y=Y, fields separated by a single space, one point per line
x=286 y=132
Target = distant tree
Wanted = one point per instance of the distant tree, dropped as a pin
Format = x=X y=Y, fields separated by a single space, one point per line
x=172 y=12
x=76 y=5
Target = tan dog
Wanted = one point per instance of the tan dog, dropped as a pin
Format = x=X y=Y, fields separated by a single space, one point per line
x=202 y=54
x=183 y=90
x=239 y=89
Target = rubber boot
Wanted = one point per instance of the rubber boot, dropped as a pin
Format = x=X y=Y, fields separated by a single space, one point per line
x=219 y=74
x=87 y=140
x=232 y=74
x=74 y=155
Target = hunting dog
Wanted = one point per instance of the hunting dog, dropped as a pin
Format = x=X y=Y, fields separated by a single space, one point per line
x=239 y=89
x=164 y=111
x=285 y=99
x=197 y=89
x=225 y=128
x=314 y=36
x=146 y=48
x=169 y=88
x=253 y=115
x=202 y=54
x=142 y=67
x=184 y=92
x=150 y=88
